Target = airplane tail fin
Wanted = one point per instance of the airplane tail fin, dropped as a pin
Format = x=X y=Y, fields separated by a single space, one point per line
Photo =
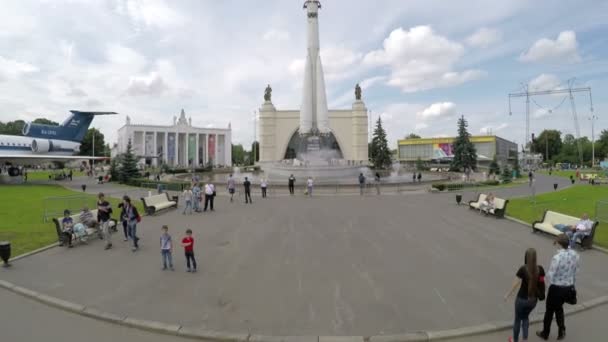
x=73 y=128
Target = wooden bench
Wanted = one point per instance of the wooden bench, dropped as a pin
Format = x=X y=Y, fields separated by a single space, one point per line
x=499 y=209
x=551 y=218
x=156 y=203
x=88 y=230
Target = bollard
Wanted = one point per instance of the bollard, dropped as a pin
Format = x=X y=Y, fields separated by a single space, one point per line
x=5 y=252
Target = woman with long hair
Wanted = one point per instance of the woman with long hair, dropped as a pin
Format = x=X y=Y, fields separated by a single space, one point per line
x=530 y=281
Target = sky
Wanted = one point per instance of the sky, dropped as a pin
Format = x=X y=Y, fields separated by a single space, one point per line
x=421 y=63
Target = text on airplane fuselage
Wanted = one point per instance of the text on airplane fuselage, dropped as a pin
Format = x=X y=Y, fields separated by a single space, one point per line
x=47 y=132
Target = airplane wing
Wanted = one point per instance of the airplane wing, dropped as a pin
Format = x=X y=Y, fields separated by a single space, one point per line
x=33 y=158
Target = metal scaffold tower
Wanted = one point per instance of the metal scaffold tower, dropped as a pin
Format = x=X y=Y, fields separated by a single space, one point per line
x=570 y=91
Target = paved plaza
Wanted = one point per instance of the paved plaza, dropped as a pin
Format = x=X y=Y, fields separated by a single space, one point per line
x=344 y=265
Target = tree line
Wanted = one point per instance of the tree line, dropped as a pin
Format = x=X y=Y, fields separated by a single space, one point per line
x=556 y=149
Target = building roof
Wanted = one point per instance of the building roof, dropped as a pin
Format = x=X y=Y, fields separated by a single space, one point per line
x=448 y=140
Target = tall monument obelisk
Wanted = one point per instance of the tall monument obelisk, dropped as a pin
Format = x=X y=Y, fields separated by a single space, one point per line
x=313 y=112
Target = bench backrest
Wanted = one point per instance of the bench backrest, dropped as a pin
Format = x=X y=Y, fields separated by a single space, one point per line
x=554 y=218
x=499 y=203
x=156 y=199
x=76 y=218
x=482 y=197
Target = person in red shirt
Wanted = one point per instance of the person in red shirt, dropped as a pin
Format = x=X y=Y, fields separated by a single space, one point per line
x=188 y=244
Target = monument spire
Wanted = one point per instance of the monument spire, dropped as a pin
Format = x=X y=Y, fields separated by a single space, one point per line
x=313 y=112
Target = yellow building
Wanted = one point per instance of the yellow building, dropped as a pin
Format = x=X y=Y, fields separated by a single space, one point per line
x=440 y=149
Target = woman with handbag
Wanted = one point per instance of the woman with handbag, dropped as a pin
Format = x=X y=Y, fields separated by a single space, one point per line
x=530 y=279
x=561 y=276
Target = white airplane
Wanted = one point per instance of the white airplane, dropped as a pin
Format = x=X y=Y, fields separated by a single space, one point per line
x=46 y=143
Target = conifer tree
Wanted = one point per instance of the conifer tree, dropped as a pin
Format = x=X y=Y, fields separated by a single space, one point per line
x=465 y=155
x=129 y=168
x=380 y=154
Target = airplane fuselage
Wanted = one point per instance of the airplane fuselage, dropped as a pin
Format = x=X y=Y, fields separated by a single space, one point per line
x=16 y=145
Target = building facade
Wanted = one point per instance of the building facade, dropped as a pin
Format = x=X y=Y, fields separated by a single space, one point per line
x=441 y=150
x=348 y=127
x=178 y=145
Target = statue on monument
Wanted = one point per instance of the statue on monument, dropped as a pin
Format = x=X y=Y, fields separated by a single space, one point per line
x=268 y=94
x=358 y=92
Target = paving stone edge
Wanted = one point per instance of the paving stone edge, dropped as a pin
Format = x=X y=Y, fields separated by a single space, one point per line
x=215 y=336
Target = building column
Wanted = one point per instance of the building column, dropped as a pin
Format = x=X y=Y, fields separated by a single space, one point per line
x=215 y=143
x=187 y=155
x=196 y=158
x=176 y=149
x=155 y=147
x=206 y=157
x=166 y=148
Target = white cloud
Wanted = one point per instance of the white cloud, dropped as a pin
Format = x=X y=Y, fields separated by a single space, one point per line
x=10 y=68
x=484 y=37
x=151 y=85
x=149 y=13
x=420 y=126
x=420 y=59
x=492 y=129
x=541 y=113
x=275 y=35
x=437 y=110
x=545 y=82
x=563 y=49
x=339 y=63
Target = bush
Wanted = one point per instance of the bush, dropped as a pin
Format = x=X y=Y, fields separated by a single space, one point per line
x=439 y=186
x=490 y=182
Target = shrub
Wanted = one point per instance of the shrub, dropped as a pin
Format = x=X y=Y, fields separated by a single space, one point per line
x=439 y=186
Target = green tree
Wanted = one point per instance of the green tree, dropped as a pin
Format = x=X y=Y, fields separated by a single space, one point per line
x=517 y=167
x=128 y=169
x=114 y=169
x=548 y=140
x=12 y=127
x=412 y=136
x=494 y=169
x=507 y=175
x=380 y=153
x=44 y=121
x=465 y=155
x=601 y=145
x=238 y=154
x=86 y=147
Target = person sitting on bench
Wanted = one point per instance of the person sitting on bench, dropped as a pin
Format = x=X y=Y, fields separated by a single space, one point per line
x=66 y=229
x=577 y=231
x=487 y=204
x=87 y=218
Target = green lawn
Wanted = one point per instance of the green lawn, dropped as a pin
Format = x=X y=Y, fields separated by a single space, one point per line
x=22 y=209
x=573 y=201
x=37 y=175
x=567 y=173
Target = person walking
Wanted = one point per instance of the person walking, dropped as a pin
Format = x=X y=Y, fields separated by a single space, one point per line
x=231 y=187
x=247 y=186
x=188 y=244
x=419 y=177
x=209 y=196
x=530 y=279
x=530 y=178
x=104 y=212
x=361 y=184
x=188 y=195
x=132 y=218
x=377 y=183
x=309 y=185
x=561 y=276
x=196 y=197
x=292 y=184
x=414 y=177
x=166 y=247
x=264 y=187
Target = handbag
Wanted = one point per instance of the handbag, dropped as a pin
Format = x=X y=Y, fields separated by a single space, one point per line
x=571 y=295
x=540 y=289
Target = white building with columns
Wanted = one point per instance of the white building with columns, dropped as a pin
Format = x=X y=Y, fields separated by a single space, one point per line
x=178 y=145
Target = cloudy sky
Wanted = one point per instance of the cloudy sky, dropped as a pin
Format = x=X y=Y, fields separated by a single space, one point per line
x=421 y=63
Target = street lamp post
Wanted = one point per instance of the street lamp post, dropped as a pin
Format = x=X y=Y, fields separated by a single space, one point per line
x=593 y=118
x=93 y=160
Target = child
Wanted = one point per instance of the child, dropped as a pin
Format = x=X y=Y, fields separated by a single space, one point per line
x=67 y=224
x=165 y=248
x=188 y=244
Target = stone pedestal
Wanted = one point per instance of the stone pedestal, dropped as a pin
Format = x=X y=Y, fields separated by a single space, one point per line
x=267 y=132
x=359 y=132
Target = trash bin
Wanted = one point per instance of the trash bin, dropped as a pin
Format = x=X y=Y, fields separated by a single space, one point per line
x=458 y=199
x=175 y=199
x=5 y=252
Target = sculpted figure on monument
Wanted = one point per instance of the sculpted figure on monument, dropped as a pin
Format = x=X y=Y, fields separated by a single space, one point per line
x=357 y=92
x=268 y=93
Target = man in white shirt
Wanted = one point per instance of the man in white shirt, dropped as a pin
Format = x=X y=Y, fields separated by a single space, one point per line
x=209 y=196
x=578 y=231
x=309 y=184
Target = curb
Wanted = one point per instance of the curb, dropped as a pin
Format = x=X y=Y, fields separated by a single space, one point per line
x=209 y=335
x=36 y=251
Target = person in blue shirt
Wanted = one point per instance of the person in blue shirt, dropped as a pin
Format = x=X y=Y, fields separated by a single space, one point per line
x=67 y=225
